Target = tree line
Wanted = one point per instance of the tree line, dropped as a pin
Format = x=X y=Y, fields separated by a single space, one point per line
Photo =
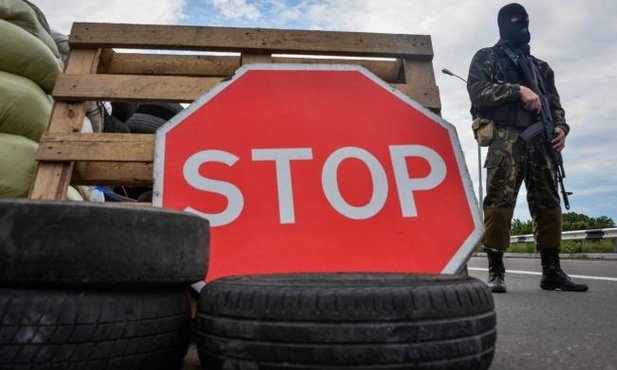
x=571 y=221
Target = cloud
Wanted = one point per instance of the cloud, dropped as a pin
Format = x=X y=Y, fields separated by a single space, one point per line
x=62 y=14
x=236 y=9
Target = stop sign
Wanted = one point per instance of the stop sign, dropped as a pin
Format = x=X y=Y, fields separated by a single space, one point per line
x=304 y=168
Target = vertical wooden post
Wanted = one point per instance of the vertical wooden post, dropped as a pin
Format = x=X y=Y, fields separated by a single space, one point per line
x=52 y=179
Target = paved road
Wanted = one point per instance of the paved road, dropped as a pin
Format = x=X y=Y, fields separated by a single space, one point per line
x=555 y=330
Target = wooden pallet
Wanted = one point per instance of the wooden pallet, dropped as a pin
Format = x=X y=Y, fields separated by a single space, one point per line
x=179 y=64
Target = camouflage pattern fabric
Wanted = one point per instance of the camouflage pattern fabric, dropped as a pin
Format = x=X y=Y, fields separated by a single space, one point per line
x=488 y=84
x=510 y=161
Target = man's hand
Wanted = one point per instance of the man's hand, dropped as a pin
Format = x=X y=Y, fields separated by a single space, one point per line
x=531 y=99
x=559 y=142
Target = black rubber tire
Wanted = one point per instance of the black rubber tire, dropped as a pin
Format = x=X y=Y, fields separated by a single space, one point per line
x=77 y=329
x=113 y=124
x=59 y=243
x=163 y=110
x=142 y=123
x=123 y=111
x=346 y=321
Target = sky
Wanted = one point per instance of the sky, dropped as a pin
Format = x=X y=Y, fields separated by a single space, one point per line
x=576 y=37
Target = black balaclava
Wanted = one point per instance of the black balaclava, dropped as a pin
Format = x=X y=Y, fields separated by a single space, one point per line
x=517 y=31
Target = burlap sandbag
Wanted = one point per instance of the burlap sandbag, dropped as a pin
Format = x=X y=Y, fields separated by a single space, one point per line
x=25 y=55
x=16 y=165
x=24 y=108
x=28 y=16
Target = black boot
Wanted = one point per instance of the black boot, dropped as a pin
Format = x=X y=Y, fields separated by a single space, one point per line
x=553 y=276
x=496 y=272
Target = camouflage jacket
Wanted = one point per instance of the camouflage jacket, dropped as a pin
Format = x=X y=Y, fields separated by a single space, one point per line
x=494 y=83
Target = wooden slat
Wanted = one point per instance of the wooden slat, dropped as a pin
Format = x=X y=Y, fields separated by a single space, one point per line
x=420 y=84
x=388 y=70
x=96 y=147
x=166 y=64
x=113 y=173
x=132 y=88
x=250 y=40
x=255 y=58
x=223 y=66
x=427 y=98
x=51 y=180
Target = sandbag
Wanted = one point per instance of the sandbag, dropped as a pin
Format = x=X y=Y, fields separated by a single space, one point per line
x=24 y=108
x=16 y=165
x=62 y=42
x=28 y=16
x=74 y=194
x=25 y=55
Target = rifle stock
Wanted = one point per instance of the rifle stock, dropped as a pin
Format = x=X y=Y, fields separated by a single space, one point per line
x=532 y=131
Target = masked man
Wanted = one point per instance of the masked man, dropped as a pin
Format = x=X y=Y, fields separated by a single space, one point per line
x=501 y=93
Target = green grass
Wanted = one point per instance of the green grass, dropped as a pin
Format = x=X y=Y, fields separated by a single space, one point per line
x=570 y=246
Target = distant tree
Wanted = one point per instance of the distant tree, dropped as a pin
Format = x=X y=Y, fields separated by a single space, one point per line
x=521 y=227
x=602 y=222
x=576 y=221
x=572 y=221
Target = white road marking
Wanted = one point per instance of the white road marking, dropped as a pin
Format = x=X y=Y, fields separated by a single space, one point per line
x=520 y=272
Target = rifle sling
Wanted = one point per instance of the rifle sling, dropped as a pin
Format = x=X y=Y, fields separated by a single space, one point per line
x=510 y=55
x=534 y=130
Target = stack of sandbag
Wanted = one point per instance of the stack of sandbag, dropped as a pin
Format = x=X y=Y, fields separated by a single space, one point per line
x=30 y=63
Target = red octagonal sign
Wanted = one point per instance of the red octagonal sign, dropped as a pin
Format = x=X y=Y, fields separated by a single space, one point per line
x=318 y=169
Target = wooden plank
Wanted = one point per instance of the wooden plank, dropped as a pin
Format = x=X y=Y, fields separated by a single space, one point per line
x=136 y=88
x=113 y=173
x=51 y=180
x=167 y=64
x=427 y=98
x=223 y=66
x=250 y=40
x=132 y=88
x=420 y=84
x=96 y=147
x=388 y=70
x=255 y=58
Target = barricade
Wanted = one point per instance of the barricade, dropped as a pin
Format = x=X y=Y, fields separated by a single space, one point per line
x=179 y=64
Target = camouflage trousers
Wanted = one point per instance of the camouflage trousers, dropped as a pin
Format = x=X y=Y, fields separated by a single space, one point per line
x=510 y=163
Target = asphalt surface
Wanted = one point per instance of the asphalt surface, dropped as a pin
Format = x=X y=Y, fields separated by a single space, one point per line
x=555 y=330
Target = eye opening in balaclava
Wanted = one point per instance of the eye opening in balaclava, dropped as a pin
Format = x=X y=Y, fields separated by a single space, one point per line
x=513 y=22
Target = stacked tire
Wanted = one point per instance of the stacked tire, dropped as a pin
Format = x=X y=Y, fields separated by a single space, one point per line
x=136 y=118
x=346 y=321
x=97 y=286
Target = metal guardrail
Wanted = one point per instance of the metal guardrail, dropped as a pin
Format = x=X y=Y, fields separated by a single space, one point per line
x=592 y=234
x=573 y=235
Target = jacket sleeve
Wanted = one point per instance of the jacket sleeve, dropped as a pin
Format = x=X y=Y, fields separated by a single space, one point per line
x=486 y=81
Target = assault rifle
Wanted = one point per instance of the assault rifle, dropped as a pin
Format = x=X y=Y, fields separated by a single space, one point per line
x=545 y=124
